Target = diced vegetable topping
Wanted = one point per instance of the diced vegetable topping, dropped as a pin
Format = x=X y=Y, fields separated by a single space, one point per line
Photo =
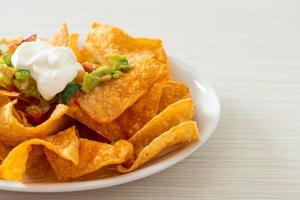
x=116 y=74
x=91 y=80
x=89 y=67
x=22 y=74
x=101 y=71
x=119 y=63
x=27 y=87
x=6 y=76
x=96 y=62
x=6 y=59
x=69 y=92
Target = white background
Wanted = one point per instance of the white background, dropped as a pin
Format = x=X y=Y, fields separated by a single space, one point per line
x=249 y=50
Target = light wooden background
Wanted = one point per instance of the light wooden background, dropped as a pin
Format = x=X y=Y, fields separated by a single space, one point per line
x=249 y=50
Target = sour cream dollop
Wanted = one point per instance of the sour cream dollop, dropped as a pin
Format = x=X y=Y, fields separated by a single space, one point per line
x=51 y=67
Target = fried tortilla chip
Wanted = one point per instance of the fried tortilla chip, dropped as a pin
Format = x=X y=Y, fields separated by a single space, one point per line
x=104 y=39
x=13 y=132
x=8 y=93
x=65 y=39
x=92 y=156
x=110 y=99
x=87 y=133
x=61 y=38
x=184 y=132
x=4 y=100
x=65 y=144
x=174 y=114
x=73 y=44
x=37 y=163
x=173 y=91
x=4 y=150
x=159 y=96
x=20 y=116
x=136 y=116
x=110 y=130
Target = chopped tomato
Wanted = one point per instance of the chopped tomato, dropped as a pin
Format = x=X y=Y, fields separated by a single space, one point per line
x=13 y=47
x=30 y=38
x=89 y=67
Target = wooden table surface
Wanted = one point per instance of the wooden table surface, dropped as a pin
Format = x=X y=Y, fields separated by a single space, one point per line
x=250 y=52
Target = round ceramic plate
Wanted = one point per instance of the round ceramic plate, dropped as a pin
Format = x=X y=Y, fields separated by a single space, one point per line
x=207 y=117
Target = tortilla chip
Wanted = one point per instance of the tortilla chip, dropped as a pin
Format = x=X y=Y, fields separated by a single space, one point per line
x=20 y=116
x=9 y=93
x=174 y=114
x=105 y=39
x=4 y=150
x=110 y=130
x=87 y=133
x=61 y=38
x=37 y=163
x=184 y=132
x=136 y=116
x=92 y=156
x=65 y=144
x=173 y=91
x=4 y=100
x=73 y=44
x=13 y=132
x=110 y=99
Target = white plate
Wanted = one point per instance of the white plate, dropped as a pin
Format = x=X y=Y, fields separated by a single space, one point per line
x=207 y=117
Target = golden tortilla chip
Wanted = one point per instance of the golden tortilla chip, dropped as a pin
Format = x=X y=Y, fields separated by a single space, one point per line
x=110 y=130
x=105 y=39
x=110 y=99
x=9 y=93
x=65 y=144
x=173 y=91
x=37 y=163
x=92 y=156
x=13 y=132
x=73 y=44
x=4 y=150
x=61 y=38
x=184 y=132
x=136 y=116
x=4 y=100
x=174 y=114
x=20 y=116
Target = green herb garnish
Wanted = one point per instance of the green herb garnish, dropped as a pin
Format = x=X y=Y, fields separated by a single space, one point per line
x=22 y=74
x=70 y=91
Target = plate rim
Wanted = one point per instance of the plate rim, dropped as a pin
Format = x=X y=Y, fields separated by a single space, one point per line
x=124 y=178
